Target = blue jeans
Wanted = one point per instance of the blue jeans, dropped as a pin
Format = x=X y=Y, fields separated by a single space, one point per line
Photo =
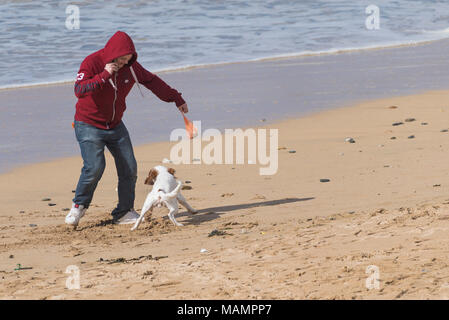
x=92 y=141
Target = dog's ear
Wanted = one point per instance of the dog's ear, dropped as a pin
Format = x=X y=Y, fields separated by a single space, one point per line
x=152 y=175
x=149 y=181
x=171 y=171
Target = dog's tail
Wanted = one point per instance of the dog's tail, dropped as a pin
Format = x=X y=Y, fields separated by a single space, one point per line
x=172 y=194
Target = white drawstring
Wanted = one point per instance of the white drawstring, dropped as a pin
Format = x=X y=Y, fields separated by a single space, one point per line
x=135 y=78
x=112 y=83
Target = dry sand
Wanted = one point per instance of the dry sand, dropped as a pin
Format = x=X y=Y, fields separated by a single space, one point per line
x=286 y=236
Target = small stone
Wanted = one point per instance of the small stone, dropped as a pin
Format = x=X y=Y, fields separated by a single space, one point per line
x=444 y=130
x=33 y=225
x=350 y=140
x=397 y=123
x=52 y=204
x=392 y=107
x=22 y=211
x=437 y=185
x=65 y=209
x=410 y=119
x=73 y=191
x=393 y=138
x=411 y=137
x=424 y=123
x=186 y=188
x=188 y=181
x=324 y=180
x=11 y=256
x=291 y=151
x=46 y=199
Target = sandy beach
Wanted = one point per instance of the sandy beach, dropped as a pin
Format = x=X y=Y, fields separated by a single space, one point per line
x=282 y=236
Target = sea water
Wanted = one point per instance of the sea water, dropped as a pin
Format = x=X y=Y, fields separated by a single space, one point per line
x=40 y=42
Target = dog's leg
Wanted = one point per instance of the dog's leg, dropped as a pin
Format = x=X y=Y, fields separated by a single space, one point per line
x=173 y=207
x=148 y=206
x=183 y=202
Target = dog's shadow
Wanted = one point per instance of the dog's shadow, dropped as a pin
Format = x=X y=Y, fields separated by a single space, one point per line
x=208 y=214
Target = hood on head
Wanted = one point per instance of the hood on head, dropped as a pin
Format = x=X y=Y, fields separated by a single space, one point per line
x=120 y=44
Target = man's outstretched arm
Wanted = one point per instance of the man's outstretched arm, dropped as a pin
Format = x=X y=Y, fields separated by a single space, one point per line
x=162 y=90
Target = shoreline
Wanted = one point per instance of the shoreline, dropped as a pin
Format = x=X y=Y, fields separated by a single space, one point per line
x=37 y=119
x=285 y=56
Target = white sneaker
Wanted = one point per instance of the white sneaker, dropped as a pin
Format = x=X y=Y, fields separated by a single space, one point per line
x=130 y=217
x=75 y=214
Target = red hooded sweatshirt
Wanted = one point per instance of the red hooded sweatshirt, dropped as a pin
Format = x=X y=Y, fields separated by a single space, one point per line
x=102 y=103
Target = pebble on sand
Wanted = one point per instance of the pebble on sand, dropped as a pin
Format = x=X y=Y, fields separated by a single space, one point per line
x=350 y=140
x=397 y=123
x=46 y=199
x=411 y=137
x=324 y=180
x=410 y=119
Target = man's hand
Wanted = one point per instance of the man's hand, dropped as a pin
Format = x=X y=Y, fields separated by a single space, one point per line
x=183 y=108
x=111 y=67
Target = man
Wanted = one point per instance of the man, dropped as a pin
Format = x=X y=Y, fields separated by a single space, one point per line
x=103 y=82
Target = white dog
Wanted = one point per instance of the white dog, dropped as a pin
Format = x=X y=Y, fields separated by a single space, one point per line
x=165 y=192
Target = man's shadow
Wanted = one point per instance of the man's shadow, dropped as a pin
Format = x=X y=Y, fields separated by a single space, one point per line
x=212 y=213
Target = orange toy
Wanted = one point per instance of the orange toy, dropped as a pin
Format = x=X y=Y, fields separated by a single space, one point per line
x=190 y=128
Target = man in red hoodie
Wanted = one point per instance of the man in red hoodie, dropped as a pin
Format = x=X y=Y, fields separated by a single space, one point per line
x=104 y=80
